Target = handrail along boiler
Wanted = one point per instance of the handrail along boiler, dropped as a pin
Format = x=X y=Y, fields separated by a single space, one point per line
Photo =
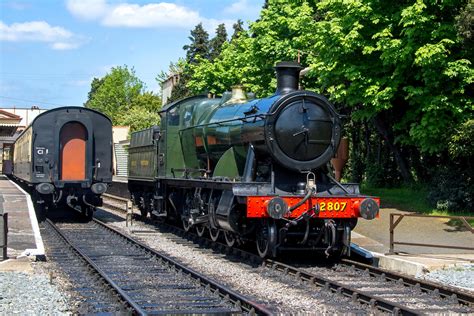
x=250 y=169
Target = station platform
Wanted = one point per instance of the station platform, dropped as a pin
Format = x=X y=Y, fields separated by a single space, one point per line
x=374 y=236
x=24 y=239
x=119 y=187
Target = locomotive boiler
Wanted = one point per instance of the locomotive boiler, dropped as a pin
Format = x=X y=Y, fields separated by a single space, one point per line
x=65 y=158
x=250 y=169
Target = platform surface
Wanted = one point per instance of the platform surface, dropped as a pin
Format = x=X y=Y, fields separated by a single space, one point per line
x=23 y=232
x=374 y=235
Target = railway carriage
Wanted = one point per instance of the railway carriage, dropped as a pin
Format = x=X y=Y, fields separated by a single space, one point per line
x=250 y=169
x=65 y=157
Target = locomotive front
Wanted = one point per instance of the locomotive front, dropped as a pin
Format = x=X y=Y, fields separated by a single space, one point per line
x=302 y=129
x=306 y=206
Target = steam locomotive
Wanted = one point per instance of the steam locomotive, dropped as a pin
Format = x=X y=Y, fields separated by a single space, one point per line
x=65 y=158
x=250 y=170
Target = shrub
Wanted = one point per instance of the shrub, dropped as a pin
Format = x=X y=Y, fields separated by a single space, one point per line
x=452 y=189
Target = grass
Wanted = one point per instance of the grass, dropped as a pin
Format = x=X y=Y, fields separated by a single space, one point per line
x=405 y=198
x=409 y=198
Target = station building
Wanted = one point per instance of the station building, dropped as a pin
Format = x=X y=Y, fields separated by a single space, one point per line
x=12 y=122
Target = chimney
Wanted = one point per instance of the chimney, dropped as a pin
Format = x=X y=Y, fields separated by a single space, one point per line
x=287 y=73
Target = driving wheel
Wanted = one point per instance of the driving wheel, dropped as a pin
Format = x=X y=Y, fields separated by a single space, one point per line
x=214 y=233
x=266 y=240
x=186 y=224
x=229 y=238
x=200 y=230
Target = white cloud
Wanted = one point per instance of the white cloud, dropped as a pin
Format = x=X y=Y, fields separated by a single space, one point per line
x=242 y=6
x=159 y=14
x=65 y=46
x=87 y=9
x=39 y=31
x=151 y=15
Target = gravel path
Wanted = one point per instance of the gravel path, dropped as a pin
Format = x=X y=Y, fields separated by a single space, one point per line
x=31 y=294
x=460 y=276
x=281 y=293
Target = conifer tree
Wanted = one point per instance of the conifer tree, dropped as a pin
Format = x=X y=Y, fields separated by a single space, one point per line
x=238 y=27
x=217 y=42
x=199 y=44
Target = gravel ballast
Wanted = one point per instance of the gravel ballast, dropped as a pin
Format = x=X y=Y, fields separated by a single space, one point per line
x=281 y=293
x=460 y=276
x=284 y=293
x=30 y=294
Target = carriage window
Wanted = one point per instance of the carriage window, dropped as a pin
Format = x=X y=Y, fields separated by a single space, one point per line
x=173 y=117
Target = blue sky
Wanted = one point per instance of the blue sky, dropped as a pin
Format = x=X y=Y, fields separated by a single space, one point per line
x=51 y=50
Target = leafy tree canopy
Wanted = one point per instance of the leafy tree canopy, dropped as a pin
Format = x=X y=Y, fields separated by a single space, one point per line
x=121 y=96
x=403 y=60
x=282 y=30
x=238 y=27
x=403 y=64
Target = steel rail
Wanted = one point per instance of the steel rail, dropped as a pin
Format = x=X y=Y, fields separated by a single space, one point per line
x=224 y=292
x=463 y=297
x=127 y=299
x=362 y=297
x=444 y=291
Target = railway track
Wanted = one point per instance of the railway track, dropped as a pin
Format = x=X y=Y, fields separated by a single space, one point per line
x=92 y=291
x=140 y=279
x=374 y=287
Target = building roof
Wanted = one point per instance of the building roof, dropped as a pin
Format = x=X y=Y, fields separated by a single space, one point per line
x=4 y=115
x=9 y=123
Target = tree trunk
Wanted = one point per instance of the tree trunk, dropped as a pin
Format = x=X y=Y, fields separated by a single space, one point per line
x=387 y=134
x=367 y=141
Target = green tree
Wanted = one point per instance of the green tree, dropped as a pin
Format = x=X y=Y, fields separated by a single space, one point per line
x=199 y=45
x=402 y=72
x=121 y=95
x=238 y=28
x=115 y=92
x=139 y=118
x=399 y=65
x=148 y=101
x=282 y=30
x=198 y=49
x=95 y=85
x=465 y=22
x=215 y=45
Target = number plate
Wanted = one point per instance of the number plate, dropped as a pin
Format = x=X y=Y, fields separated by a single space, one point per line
x=332 y=207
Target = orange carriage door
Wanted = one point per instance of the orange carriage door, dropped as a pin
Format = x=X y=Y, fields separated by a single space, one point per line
x=73 y=138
